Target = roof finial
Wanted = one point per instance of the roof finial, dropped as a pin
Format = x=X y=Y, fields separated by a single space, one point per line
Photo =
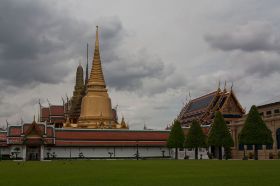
x=97 y=38
x=225 y=87
x=219 y=85
x=231 y=86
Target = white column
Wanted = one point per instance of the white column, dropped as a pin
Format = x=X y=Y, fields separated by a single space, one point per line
x=24 y=152
x=42 y=153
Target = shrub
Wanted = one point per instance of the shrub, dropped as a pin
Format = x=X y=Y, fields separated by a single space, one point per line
x=270 y=155
x=250 y=155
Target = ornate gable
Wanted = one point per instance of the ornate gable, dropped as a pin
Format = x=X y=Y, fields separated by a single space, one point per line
x=232 y=106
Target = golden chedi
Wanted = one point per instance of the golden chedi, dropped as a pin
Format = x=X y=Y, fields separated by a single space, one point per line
x=96 y=109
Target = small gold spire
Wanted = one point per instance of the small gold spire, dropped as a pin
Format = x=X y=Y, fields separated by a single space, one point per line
x=97 y=38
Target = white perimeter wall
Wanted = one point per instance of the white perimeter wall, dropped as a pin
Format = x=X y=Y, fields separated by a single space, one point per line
x=103 y=152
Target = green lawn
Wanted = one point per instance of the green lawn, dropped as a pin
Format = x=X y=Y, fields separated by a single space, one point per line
x=145 y=172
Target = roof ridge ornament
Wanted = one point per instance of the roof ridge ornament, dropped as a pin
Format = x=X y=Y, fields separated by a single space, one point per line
x=225 y=86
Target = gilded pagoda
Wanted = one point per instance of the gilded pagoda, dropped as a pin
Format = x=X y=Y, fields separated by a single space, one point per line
x=90 y=106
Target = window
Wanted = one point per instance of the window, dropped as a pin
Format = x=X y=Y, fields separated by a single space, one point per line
x=259 y=147
x=278 y=138
x=268 y=112
x=276 y=111
x=261 y=113
x=249 y=147
x=241 y=147
x=269 y=146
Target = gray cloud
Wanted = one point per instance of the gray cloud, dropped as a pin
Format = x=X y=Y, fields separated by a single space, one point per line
x=253 y=36
x=129 y=70
x=35 y=42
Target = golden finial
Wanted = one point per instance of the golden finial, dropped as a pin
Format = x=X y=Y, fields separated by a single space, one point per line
x=225 y=87
x=97 y=38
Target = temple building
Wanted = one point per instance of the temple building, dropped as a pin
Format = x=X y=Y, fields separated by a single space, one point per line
x=204 y=107
x=90 y=106
x=78 y=94
x=96 y=109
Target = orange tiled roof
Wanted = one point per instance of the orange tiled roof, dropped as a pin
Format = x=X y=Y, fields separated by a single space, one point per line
x=111 y=135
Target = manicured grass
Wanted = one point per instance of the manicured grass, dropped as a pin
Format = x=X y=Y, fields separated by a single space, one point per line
x=145 y=172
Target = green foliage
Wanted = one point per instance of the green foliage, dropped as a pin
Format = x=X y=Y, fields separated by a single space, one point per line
x=195 y=138
x=176 y=137
x=219 y=135
x=255 y=132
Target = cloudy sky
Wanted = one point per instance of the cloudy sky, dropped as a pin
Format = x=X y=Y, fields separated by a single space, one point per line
x=154 y=52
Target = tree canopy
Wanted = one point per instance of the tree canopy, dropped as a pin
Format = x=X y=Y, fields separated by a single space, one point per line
x=219 y=135
x=176 y=137
x=255 y=132
x=196 y=137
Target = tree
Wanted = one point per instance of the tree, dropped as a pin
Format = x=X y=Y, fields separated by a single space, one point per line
x=195 y=138
x=219 y=135
x=255 y=132
x=176 y=137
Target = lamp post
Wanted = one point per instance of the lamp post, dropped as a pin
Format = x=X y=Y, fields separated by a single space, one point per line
x=70 y=151
x=137 y=152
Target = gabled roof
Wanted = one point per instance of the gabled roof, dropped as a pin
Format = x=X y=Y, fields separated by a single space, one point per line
x=201 y=102
x=196 y=108
x=3 y=138
x=204 y=107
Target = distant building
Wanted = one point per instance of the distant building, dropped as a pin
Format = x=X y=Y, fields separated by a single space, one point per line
x=271 y=116
x=37 y=141
x=203 y=109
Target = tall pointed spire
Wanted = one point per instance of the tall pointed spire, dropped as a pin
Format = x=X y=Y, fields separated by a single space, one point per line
x=96 y=76
x=86 y=78
x=79 y=77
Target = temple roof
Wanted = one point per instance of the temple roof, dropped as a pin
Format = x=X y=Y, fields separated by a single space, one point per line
x=76 y=137
x=81 y=137
x=201 y=102
x=204 y=107
x=3 y=138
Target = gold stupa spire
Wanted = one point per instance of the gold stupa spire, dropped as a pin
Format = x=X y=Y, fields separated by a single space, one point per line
x=96 y=76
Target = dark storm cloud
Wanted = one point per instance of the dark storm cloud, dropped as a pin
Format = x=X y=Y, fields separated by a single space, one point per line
x=254 y=36
x=263 y=68
x=35 y=42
